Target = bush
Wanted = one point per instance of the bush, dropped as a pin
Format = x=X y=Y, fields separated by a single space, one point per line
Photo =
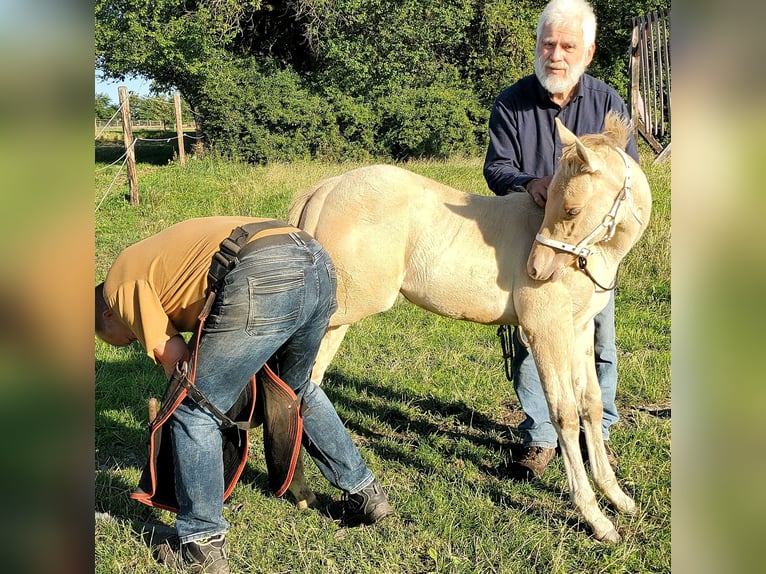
x=435 y=121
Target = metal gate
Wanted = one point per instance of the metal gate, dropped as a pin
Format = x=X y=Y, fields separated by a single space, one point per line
x=650 y=80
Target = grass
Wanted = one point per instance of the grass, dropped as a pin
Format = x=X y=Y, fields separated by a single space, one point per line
x=424 y=397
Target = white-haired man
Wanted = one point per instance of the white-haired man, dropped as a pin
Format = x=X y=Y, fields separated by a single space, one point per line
x=522 y=155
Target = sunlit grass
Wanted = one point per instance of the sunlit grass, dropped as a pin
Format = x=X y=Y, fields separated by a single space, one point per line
x=424 y=397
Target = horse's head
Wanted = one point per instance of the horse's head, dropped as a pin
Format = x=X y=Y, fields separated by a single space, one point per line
x=598 y=203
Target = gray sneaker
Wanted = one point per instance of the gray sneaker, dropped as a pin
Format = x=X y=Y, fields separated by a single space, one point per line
x=206 y=556
x=367 y=506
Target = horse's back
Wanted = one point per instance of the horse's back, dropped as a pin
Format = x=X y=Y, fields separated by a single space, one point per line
x=361 y=219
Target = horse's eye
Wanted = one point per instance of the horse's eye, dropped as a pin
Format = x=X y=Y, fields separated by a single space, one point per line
x=573 y=211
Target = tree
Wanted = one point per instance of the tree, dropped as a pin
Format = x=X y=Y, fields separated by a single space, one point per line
x=285 y=79
x=105 y=109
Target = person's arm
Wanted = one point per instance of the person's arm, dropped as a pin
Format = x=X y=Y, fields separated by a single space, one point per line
x=169 y=353
x=538 y=189
x=503 y=160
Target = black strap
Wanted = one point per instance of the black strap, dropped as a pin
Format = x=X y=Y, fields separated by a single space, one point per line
x=582 y=263
x=199 y=397
x=226 y=257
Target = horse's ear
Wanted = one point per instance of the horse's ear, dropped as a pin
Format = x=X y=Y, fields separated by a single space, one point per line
x=591 y=162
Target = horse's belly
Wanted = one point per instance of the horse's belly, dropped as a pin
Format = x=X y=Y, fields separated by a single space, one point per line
x=463 y=294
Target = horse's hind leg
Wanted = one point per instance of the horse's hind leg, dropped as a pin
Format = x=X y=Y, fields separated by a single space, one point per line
x=300 y=491
x=327 y=349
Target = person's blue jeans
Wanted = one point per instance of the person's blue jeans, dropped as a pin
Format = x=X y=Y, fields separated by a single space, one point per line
x=537 y=429
x=277 y=300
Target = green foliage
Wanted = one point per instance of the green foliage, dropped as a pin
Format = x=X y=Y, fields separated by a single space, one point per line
x=504 y=49
x=266 y=116
x=369 y=46
x=431 y=122
x=105 y=109
x=275 y=80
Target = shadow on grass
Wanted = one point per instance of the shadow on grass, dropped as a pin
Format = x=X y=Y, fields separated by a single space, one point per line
x=406 y=419
x=403 y=421
x=420 y=432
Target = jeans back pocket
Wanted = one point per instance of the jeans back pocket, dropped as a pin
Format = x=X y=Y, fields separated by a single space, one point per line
x=277 y=298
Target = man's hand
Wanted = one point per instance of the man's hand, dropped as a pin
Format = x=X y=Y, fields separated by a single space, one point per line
x=170 y=352
x=538 y=189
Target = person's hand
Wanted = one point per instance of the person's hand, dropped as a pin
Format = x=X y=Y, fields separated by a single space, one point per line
x=170 y=352
x=538 y=189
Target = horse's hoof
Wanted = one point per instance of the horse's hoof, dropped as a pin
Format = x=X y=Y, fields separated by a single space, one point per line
x=610 y=536
x=627 y=506
x=632 y=508
x=307 y=501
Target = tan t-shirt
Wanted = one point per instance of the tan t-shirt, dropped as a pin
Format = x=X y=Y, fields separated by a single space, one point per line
x=157 y=286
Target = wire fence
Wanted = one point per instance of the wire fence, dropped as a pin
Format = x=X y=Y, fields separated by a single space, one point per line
x=145 y=124
x=116 y=123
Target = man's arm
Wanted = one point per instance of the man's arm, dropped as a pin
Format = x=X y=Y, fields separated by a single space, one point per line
x=169 y=353
x=502 y=164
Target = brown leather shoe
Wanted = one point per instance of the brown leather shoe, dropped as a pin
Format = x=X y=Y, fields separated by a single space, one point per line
x=531 y=463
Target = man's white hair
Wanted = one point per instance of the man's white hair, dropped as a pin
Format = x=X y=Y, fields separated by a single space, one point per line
x=569 y=12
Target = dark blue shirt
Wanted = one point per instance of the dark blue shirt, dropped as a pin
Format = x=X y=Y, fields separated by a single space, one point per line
x=523 y=144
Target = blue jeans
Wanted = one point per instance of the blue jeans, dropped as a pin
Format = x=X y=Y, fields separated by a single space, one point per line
x=276 y=301
x=536 y=428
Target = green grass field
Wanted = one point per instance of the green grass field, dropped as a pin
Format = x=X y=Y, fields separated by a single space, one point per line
x=424 y=397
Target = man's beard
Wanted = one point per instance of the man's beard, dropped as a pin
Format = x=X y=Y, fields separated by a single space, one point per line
x=557 y=84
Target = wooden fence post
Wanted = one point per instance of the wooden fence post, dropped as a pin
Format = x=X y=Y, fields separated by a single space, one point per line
x=179 y=128
x=127 y=134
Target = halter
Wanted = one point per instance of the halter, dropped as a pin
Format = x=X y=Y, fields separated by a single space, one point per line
x=609 y=223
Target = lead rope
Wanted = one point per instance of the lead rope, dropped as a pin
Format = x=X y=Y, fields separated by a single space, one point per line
x=504 y=332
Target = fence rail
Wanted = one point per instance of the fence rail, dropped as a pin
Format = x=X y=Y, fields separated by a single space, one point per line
x=144 y=124
x=126 y=125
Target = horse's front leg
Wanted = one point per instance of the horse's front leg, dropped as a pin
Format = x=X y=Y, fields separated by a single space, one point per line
x=552 y=348
x=591 y=413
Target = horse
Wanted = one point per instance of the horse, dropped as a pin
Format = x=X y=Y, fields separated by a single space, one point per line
x=497 y=261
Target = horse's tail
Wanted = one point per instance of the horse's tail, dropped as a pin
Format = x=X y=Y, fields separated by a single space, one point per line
x=298 y=206
x=307 y=206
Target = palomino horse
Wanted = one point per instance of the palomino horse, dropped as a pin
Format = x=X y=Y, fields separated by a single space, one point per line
x=497 y=260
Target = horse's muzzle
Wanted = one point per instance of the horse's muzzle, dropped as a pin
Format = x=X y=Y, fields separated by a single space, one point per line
x=545 y=263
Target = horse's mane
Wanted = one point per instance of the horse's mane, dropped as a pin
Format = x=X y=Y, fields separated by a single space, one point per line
x=616 y=134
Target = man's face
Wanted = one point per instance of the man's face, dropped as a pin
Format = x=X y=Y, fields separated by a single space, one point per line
x=561 y=58
x=115 y=332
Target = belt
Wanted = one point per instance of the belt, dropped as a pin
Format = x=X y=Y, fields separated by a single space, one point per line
x=271 y=236
x=244 y=240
